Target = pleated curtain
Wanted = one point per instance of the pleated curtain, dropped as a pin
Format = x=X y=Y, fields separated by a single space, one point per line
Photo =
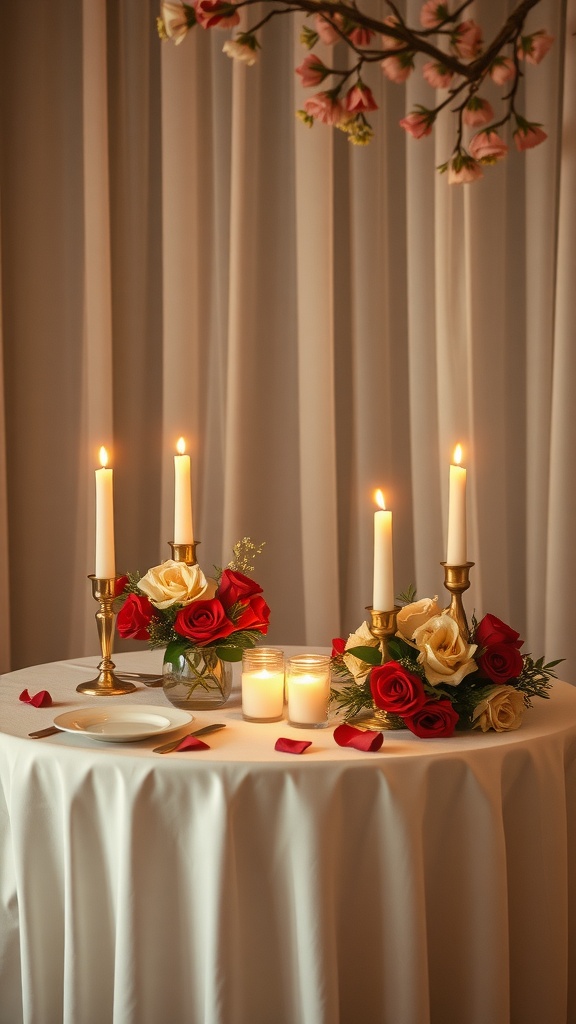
x=181 y=256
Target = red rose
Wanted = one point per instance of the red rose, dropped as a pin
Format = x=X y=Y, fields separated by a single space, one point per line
x=255 y=616
x=434 y=719
x=492 y=631
x=234 y=587
x=119 y=585
x=203 y=622
x=134 y=617
x=338 y=647
x=395 y=689
x=501 y=662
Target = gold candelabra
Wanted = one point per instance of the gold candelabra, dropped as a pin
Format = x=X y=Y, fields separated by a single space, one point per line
x=456 y=581
x=383 y=626
x=184 y=552
x=106 y=683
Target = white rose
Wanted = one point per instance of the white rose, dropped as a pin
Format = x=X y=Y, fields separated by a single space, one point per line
x=362 y=638
x=443 y=653
x=175 y=583
x=411 y=616
x=502 y=710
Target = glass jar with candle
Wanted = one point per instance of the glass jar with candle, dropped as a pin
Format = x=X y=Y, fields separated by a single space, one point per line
x=308 y=685
x=262 y=684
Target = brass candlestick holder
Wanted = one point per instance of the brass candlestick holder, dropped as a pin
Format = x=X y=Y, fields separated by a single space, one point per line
x=107 y=683
x=457 y=580
x=184 y=552
x=383 y=626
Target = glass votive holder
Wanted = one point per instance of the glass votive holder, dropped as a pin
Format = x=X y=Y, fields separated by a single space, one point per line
x=263 y=684
x=308 y=686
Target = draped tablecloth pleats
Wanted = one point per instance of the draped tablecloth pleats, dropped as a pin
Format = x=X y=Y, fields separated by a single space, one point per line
x=431 y=882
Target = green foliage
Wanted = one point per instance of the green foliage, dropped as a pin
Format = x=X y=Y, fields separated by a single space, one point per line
x=408 y=596
x=369 y=655
x=534 y=680
x=352 y=700
x=175 y=650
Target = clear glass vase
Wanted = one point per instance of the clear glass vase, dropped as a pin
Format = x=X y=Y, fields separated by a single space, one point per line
x=197 y=679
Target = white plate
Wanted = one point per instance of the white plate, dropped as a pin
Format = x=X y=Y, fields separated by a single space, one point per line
x=122 y=724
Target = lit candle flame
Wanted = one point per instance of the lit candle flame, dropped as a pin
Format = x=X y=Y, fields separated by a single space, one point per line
x=103 y=457
x=458 y=455
x=379 y=497
x=181 y=446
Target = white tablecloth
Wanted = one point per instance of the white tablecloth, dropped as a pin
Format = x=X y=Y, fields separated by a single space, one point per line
x=433 y=882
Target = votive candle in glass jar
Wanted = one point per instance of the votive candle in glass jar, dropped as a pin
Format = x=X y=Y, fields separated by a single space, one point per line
x=308 y=685
x=263 y=684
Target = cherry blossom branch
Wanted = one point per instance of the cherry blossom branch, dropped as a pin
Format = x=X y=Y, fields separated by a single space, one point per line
x=457 y=61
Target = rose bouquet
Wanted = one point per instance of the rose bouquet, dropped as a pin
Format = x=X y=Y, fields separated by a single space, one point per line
x=200 y=621
x=438 y=680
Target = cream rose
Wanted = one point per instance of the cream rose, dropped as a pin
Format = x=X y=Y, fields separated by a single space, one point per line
x=443 y=653
x=411 y=616
x=362 y=638
x=175 y=583
x=502 y=710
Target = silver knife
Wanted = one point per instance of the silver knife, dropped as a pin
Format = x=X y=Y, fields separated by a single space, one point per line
x=167 y=747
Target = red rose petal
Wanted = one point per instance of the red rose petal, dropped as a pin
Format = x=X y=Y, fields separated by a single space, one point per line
x=362 y=739
x=42 y=699
x=286 y=746
x=192 y=743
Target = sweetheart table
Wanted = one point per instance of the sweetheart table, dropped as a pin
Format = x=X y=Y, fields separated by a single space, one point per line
x=432 y=882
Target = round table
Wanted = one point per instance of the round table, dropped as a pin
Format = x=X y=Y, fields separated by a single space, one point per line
x=432 y=882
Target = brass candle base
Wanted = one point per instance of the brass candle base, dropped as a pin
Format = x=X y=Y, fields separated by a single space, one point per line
x=106 y=683
x=383 y=626
x=184 y=552
x=457 y=580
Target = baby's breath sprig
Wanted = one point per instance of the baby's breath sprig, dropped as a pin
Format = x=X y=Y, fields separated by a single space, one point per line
x=245 y=551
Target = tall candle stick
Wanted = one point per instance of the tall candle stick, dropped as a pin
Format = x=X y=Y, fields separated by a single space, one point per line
x=183 y=532
x=456 y=548
x=105 y=555
x=383 y=593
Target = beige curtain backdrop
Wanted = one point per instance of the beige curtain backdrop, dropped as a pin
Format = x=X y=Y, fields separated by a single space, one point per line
x=180 y=255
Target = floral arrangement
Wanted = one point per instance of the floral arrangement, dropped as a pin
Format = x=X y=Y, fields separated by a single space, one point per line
x=451 y=45
x=176 y=606
x=438 y=680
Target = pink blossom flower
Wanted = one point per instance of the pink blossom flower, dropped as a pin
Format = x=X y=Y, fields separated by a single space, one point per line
x=312 y=71
x=437 y=75
x=389 y=42
x=359 y=98
x=325 y=108
x=487 y=147
x=212 y=13
x=398 y=69
x=477 y=111
x=502 y=70
x=433 y=13
x=325 y=28
x=463 y=170
x=417 y=124
x=361 y=36
x=466 y=40
x=534 y=47
x=528 y=135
